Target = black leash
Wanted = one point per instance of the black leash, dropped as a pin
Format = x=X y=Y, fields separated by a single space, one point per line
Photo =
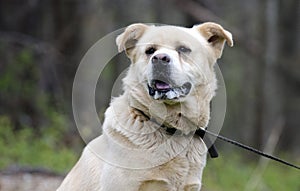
x=202 y=132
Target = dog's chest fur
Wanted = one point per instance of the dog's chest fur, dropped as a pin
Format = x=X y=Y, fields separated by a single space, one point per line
x=178 y=160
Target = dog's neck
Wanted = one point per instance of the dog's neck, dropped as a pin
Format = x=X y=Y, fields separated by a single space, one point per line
x=172 y=130
x=184 y=116
x=168 y=130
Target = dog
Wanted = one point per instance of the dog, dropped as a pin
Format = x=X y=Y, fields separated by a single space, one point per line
x=148 y=141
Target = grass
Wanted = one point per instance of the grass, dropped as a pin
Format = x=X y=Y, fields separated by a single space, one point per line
x=24 y=149
x=231 y=172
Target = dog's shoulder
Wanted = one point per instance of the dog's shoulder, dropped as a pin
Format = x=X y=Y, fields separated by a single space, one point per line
x=89 y=165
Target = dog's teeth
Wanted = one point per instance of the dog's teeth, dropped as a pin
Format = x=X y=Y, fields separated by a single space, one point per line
x=157 y=95
x=171 y=95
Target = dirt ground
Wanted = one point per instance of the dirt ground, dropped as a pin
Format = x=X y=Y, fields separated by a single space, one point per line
x=23 y=181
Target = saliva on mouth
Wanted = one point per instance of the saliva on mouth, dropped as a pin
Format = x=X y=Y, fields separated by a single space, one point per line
x=160 y=90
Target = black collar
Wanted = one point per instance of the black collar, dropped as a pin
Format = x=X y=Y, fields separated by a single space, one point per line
x=200 y=132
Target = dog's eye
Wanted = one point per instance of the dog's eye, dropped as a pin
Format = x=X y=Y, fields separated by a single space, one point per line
x=183 y=49
x=150 y=51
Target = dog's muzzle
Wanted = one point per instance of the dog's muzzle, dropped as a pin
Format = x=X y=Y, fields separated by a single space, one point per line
x=162 y=85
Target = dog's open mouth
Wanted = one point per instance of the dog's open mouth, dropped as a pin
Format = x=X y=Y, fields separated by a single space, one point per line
x=165 y=91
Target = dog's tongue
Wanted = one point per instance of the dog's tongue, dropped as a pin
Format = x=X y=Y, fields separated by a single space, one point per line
x=162 y=85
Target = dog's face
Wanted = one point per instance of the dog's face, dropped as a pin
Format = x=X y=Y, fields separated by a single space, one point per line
x=170 y=62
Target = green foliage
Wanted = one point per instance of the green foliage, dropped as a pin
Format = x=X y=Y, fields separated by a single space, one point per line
x=20 y=75
x=25 y=148
x=31 y=130
x=231 y=172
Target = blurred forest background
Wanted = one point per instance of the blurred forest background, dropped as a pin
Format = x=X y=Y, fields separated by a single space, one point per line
x=43 y=41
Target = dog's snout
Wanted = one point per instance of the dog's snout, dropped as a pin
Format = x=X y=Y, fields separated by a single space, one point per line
x=161 y=59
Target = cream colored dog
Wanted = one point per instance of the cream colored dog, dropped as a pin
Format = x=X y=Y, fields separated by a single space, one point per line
x=148 y=141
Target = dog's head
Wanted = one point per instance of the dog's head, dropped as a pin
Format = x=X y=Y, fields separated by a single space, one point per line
x=171 y=61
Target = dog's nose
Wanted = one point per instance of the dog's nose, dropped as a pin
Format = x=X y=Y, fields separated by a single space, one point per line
x=161 y=59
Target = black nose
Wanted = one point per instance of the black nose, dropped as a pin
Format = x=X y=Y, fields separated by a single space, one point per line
x=161 y=59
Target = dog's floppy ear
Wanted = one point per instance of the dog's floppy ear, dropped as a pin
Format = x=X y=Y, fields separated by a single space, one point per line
x=216 y=36
x=127 y=40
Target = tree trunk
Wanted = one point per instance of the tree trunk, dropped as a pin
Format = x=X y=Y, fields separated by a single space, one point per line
x=272 y=94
